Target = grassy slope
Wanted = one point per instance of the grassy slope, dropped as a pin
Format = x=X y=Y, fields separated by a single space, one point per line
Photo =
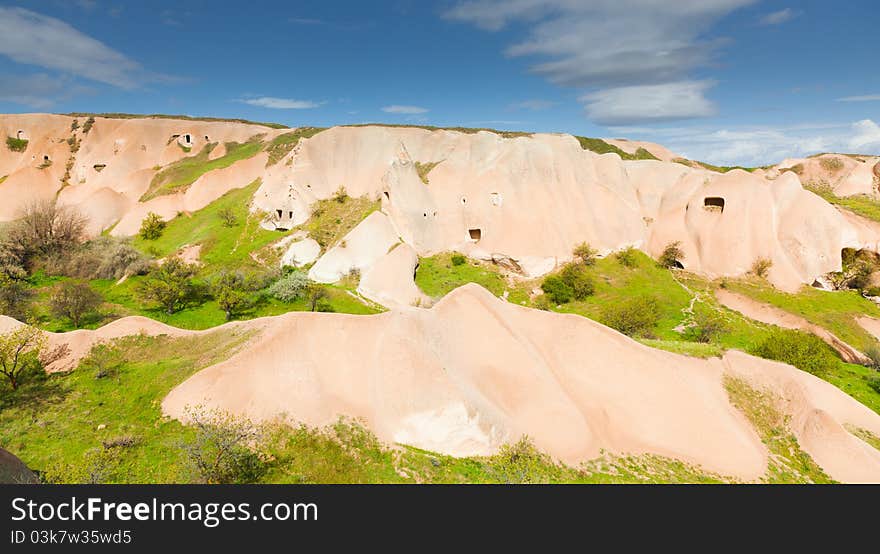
x=281 y=145
x=331 y=220
x=181 y=117
x=859 y=204
x=179 y=175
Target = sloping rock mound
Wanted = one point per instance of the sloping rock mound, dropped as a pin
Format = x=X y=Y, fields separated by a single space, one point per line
x=475 y=372
x=13 y=471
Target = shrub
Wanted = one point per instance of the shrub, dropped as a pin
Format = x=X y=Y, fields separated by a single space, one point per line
x=44 y=229
x=230 y=291
x=21 y=350
x=761 y=267
x=121 y=259
x=706 y=327
x=16 y=144
x=557 y=290
x=74 y=300
x=152 y=227
x=873 y=354
x=220 y=451
x=636 y=316
x=628 y=257
x=542 y=302
x=341 y=195
x=802 y=350
x=672 y=255
x=874 y=383
x=227 y=217
x=585 y=253
x=16 y=298
x=169 y=285
x=578 y=279
x=458 y=259
x=290 y=287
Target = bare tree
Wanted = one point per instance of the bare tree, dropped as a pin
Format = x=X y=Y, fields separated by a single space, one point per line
x=45 y=229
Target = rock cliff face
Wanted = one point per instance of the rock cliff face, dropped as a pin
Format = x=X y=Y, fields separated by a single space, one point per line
x=529 y=198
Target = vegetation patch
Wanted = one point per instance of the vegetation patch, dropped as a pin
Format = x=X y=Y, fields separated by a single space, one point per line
x=179 y=175
x=439 y=275
x=860 y=204
x=424 y=168
x=280 y=146
x=788 y=463
x=333 y=218
x=16 y=144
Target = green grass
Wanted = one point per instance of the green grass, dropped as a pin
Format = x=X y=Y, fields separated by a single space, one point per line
x=52 y=423
x=865 y=435
x=860 y=204
x=788 y=463
x=436 y=275
x=181 y=117
x=693 y=349
x=16 y=144
x=331 y=220
x=280 y=146
x=599 y=146
x=424 y=168
x=179 y=175
x=53 y=420
x=222 y=247
x=835 y=311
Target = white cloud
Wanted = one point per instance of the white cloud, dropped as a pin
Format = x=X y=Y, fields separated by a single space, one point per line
x=281 y=103
x=864 y=98
x=778 y=18
x=649 y=103
x=612 y=46
x=408 y=110
x=534 y=105
x=866 y=137
x=757 y=146
x=39 y=91
x=30 y=38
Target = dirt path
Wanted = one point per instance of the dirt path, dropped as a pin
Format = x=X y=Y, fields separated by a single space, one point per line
x=765 y=313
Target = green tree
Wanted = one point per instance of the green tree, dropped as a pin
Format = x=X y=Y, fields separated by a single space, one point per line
x=672 y=255
x=557 y=290
x=636 y=316
x=152 y=226
x=20 y=351
x=169 y=285
x=230 y=291
x=585 y=253
x=74 y=300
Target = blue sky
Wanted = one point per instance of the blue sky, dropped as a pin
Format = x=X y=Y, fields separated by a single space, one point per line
x=725 y=81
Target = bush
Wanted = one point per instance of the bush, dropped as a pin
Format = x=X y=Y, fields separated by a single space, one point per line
x=16 y=144
x=672 y=255
x=542 y=302
x=16 y=298
x=578 y=279
x=557 y=290
x=585 y=253
x=230 y=291
x=458 y=259
x=874 y=383
x=802 y=350
x=43 y=230
x=290 y=287
x=121 y=259
x=873 y=354
x=74 y=300
x=628 y=257
x=636 y=316
x=220 y=451
x=706 y=327
x=152 y=226
x=169 y=285
x=228 y=217
x=761 y=267
x=341 y=195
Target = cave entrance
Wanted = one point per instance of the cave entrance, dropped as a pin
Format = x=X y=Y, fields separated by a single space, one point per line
x=714 y=204
x=475 y=234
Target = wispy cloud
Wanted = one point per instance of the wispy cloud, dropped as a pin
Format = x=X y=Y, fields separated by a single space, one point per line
x=761 y=145
x=406 y=110
x=30 y=38
x=611 y=47
x=533 y=105
x=864 y=98
x=305 y=21
x=281 y=103
x=778 y=18
x=39 y=91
